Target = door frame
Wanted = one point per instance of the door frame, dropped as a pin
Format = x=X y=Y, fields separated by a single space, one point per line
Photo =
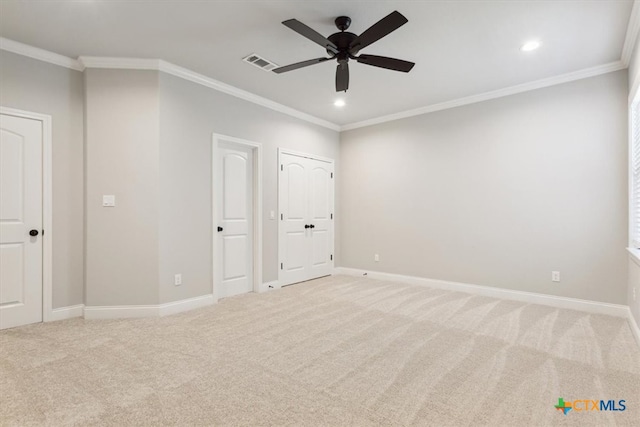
x=47 y=212
x=256 y=149
x=282 y=151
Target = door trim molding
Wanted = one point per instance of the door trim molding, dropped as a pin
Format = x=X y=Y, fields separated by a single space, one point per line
x=47 y=212
x=305 y=155
x=256 y=148
x=282 y=151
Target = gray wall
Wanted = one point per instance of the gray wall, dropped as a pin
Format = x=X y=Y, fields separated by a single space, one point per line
x=634 y=264
x=148 y=142
x=122 y=159
x=35 y=86
x=498 y=193
x=189 y=115
x=456 y=195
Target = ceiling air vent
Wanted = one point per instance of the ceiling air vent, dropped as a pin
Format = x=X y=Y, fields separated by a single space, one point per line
x=260 y=62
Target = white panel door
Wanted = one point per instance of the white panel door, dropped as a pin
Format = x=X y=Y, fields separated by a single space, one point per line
x=235 y=220
x=306 y=221
x=294 y=205
x=20 y=215
x=320 y=218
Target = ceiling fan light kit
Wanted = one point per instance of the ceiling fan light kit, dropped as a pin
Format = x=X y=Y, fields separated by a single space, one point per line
x=343 y=46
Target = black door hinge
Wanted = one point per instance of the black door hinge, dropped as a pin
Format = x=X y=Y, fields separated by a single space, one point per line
x=281 y=266
x=281 y=167
x=331 y=174
x=281 y=217
x=331 y=216
x=331 y=257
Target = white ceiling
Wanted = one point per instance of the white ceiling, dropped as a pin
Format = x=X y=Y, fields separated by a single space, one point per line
x=461 y=48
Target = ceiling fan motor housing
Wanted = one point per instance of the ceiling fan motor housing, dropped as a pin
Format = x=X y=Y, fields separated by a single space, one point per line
x=342 y=40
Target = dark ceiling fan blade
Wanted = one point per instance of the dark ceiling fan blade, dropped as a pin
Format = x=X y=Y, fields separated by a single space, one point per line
x=297 y=65
x=311 y=34
x=386 y=25
x=384 y=62
x=342 y=77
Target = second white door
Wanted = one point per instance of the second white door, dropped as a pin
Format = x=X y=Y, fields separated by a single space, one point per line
x=234 y=270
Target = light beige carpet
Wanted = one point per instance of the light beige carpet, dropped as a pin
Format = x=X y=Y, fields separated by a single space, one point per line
x=337 y=351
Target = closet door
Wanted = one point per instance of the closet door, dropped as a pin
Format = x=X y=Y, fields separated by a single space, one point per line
x=320 y=217
x=306 y=218
x=294 y=204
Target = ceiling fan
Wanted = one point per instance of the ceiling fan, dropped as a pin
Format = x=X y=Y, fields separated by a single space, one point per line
x=343 y=46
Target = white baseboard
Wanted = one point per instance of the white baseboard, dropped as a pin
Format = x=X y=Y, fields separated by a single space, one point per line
x=617 y=310
x=133 y=311
x=185 y=305
x=120 y=311
x=69 y=312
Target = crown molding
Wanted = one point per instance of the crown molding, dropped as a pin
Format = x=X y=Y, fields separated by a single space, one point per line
x=192 y=76
x=119 y=63
x=200 y=79
x=633 y=28
x=39 y=54
x=158 y=65
x=166 y=67
x=511 y=90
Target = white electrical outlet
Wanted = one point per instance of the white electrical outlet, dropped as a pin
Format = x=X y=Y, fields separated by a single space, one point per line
x=177 y=279
x=376 y=258
x=555 y=276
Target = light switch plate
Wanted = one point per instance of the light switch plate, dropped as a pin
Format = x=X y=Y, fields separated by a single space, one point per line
x=108 y=200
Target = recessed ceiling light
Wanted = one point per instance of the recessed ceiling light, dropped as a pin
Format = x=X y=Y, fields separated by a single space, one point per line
x=529 y=46
x=339 y=103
